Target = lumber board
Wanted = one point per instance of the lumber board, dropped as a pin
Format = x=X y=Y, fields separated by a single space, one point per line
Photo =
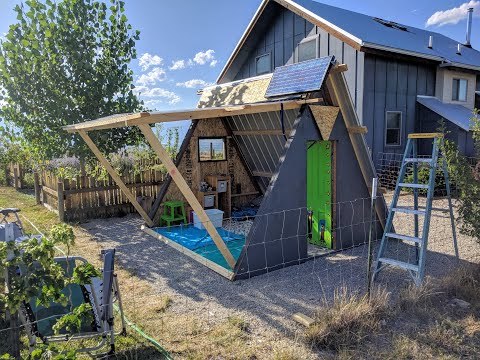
x=115 y=177
x=357 y=129
x=425 y=135
x=123 y=120
x=187 y=193
x=303 y=319
x=197 y=257
x=261 y=132
x=262 y=174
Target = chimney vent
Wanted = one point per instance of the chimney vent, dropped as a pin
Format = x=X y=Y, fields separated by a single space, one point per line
x=469 y=27
x=430 y=42
x=459 y=49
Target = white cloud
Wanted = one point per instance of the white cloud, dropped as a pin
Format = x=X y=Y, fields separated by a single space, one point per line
x=178 y=64
x=157 y=95
x=147 y=60
x=213 y=63
x=203 y=57
x=453 y=15
x=194 y=83
x=151 y=78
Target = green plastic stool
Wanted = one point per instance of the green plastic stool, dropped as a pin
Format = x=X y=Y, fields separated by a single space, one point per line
x=173 y=211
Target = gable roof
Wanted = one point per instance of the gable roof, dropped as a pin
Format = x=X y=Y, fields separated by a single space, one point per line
x=367 y=32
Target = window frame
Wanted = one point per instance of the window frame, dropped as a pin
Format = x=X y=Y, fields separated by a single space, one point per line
x=224 y=138
x=458 y=89
x=400 y=132
x=269 y=53
x=315 y=38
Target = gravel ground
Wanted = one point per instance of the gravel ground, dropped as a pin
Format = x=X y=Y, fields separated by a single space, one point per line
x=267 y=302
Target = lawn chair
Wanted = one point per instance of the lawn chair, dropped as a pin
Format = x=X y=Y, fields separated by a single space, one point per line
x=101 y=294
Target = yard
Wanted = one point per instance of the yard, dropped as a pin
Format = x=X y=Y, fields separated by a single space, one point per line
x=197 y=314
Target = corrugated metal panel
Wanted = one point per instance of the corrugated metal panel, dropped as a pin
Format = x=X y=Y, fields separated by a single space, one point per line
x=262 y=152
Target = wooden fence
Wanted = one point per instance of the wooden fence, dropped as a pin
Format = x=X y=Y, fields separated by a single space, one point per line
x=88 y=198
x=15 y=176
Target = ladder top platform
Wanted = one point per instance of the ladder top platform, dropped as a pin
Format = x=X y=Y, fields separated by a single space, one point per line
x=425 y=135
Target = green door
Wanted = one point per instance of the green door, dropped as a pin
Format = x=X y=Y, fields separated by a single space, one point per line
x=319 y=192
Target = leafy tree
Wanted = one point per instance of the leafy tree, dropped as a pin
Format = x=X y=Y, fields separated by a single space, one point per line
x=466 y=175
x=66 y=62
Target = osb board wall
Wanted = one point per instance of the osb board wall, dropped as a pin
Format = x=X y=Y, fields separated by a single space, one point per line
x=194 y=171
x=325 y=117
x=244 y=92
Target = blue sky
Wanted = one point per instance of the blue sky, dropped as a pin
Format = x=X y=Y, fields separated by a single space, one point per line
x=201 y=34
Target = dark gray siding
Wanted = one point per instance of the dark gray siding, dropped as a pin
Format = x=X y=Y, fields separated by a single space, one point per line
x=282 y=32
x=393 y=85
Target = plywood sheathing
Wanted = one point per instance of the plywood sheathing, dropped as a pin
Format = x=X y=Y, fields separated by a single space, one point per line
x=325 y=117
x=244 y=92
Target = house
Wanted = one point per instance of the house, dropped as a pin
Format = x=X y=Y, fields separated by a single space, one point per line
x=285 y=141
x=401 y=79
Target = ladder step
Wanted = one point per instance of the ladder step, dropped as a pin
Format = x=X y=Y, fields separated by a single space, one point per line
x=409 y=211
x=399 y=264
x=404 y=237
x=413 y=186
x=418 y=160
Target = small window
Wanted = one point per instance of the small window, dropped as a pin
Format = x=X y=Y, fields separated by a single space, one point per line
x=307 y=49
x=211 y=149
x=263 y=64
x=393 y=128
x=459 y=89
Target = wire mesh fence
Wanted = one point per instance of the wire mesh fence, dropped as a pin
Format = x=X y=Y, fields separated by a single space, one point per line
x=193 y=311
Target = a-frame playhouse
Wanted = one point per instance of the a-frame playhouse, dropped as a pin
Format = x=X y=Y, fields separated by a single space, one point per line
x=299 y=155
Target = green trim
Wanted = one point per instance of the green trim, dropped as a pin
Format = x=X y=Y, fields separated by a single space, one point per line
x=319 y=192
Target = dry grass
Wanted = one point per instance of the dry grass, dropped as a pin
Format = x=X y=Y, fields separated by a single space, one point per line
x=348 y=321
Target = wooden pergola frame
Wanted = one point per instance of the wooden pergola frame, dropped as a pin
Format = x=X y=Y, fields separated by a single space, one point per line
x=143 y=121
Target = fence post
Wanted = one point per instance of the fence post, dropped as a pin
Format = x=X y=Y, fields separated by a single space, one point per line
x=36 y=184
x=15 y=177
x=61 y=201
x=370 y=235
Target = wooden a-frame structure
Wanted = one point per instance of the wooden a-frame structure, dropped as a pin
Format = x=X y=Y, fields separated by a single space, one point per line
x=336 y=86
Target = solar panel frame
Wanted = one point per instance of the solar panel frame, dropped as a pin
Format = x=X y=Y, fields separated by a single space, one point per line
x=299 y=78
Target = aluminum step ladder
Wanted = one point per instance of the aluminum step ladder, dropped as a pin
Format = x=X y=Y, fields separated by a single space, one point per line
x=416 y=269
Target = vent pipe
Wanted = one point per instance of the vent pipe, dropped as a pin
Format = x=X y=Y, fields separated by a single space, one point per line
x=469 y=27
x=459 y=49
x=430 y=42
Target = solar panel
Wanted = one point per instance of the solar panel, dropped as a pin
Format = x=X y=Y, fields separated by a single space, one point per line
x=302 y=77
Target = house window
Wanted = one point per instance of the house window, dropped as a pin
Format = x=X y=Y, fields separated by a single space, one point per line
x=263 y=64
x=459 y=89
x=308 y=49
x=393 y=130
x=211 y=149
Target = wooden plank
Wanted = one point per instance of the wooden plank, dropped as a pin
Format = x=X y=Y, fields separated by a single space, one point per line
x=262 y=174
x=187 y=192
x=261 y=132
x=190 y=114
x=49 y=191
x=425 y=135
x=357 y=129
x=197 y=257
x=339 y=68
x=303 y=319
x=246 y=194
x=95 y=188
x=115 y=176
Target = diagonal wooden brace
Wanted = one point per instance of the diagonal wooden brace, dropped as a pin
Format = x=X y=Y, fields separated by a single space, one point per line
x=115 y=177
x=187 y=192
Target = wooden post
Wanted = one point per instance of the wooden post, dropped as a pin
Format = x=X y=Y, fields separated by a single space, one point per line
x=10 y=272
x=115 y=177
x=15 y=177
x=187 y=193
x=61 y=201
x=36 y=184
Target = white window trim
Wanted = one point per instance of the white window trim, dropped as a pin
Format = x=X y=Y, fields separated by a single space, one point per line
x=466 y=90
x=271 y=63
x=307 y=39
x=386 y=128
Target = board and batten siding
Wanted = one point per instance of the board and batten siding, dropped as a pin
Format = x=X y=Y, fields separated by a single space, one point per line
x=393 y=85
x=285 y=31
